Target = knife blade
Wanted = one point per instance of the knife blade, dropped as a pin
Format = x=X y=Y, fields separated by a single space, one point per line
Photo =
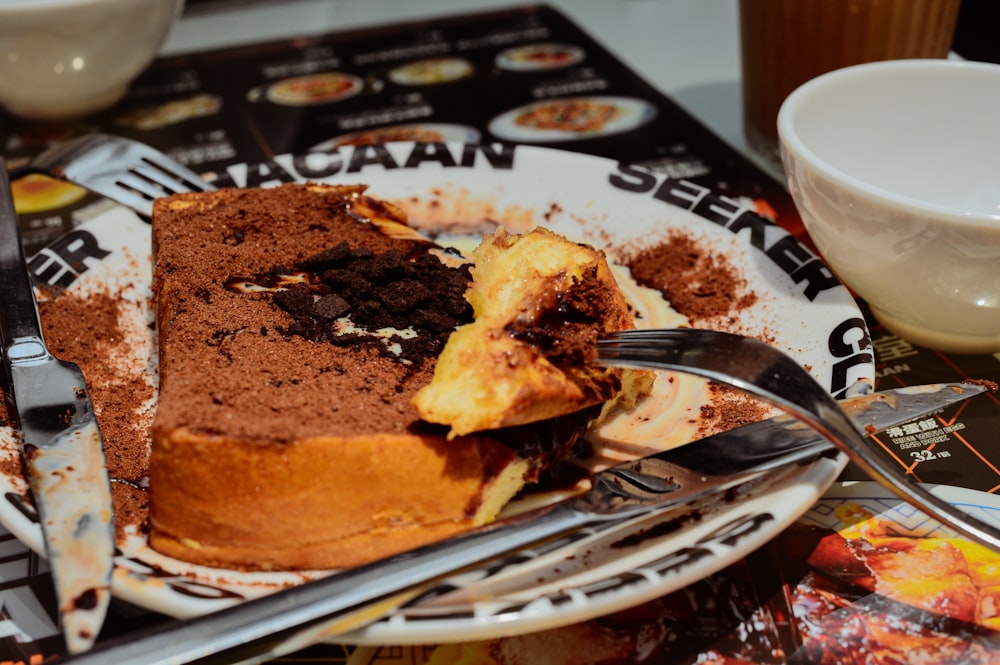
x=61 y=445
x=291 y=619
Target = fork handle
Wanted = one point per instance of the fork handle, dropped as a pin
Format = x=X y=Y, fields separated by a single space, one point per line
x=20 y=327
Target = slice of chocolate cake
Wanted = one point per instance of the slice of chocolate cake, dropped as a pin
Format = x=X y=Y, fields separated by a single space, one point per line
x=296 y=325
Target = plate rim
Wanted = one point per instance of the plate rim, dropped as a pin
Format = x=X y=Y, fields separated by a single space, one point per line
x=130 y=594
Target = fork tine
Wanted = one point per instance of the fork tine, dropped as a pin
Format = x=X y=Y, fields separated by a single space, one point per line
x=148 y=178
x=142 y=184
x=126 y=197
x=707 y=353
x=182 y=179
x=642 y=339
x=644 y=336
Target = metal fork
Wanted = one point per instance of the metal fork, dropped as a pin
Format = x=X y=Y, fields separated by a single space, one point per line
x=291 y=619
x=761 y=370
x=126 y=171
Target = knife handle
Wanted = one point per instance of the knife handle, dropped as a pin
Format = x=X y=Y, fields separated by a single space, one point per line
x=20 y=327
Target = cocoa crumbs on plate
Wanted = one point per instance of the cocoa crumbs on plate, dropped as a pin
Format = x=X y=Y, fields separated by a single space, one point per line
x=700 y=284
x=705 y=287
x=12 y=465
x=85 y=330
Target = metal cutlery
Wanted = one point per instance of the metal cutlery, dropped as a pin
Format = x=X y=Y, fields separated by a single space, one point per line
x=61 y=444
x=126 y=171
x=764 y=371
x=264 y=628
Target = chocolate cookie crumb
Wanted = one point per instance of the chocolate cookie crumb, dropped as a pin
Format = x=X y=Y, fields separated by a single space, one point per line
x=376 y=292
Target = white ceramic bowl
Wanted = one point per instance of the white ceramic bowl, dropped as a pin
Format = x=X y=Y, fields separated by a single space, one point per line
x=65 y=58
x=895 y=169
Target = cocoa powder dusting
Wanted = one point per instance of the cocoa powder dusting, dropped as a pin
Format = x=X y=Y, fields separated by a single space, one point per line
x=85 y=330
x=14 y=465
x=699 y=284
x=706 y=288
x=730 y=408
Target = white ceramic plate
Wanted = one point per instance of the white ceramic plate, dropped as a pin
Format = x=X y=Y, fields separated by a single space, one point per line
x=454 y=191
x=571 y=119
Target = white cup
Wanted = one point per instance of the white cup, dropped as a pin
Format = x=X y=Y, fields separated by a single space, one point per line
x=895 y=169
x=66 y=58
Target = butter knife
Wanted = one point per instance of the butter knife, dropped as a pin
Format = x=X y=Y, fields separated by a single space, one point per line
x=61 y=445
x=291 y=619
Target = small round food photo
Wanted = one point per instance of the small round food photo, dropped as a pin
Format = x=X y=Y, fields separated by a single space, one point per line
x=572 y=119
x=158 y=116
x=432 y=71
x=35 y=193
x=545 y=55
x=309 y=90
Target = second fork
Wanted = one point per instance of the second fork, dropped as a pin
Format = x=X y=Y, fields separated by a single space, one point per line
x=126 y=171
